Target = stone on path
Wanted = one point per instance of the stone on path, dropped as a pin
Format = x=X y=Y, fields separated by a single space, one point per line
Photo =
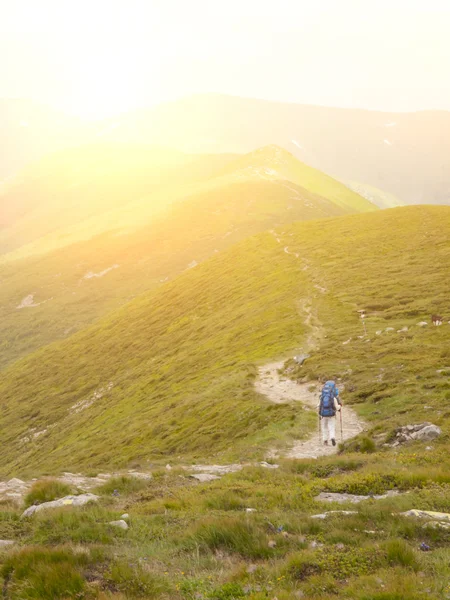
x=80 y=500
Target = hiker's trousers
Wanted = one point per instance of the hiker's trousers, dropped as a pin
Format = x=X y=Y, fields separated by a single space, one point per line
x=328 y=428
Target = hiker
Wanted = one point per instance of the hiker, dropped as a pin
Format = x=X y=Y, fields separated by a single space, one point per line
x=329 y=404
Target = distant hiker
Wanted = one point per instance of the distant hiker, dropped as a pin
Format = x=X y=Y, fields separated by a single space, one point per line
x=328 y=405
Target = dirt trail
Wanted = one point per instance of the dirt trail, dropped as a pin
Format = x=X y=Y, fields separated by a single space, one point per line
x=281 y=390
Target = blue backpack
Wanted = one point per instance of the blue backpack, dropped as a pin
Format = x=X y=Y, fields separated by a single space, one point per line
x=327 y=397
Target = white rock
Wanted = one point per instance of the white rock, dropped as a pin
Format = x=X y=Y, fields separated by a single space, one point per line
x=120 y=524
x=354 y=499
x=430 y=432
x=334 y=512
x=204 y=477
x=125 y=516
x=6 y=543
x=422 y=324
x=267 y=465
x=80 y=500
x=250 y=510
x=389 y=329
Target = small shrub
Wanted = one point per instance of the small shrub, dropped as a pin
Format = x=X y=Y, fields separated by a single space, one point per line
x=226 y=501
x=399 y=553
x=367 y=445
x=228 y=591
x=123 y=485
x=232 y=535
x=135 y=582
x=46 y=491
x=44 y=574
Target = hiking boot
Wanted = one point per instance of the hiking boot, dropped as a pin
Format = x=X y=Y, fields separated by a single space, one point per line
x=325 y=443
x=333 y=441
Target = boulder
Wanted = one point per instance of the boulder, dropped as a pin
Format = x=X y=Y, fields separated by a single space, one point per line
x=421 y=431
x=6 y=544
x=121 y=524
x=422 y=324
x=80 y=500
x=427 y=433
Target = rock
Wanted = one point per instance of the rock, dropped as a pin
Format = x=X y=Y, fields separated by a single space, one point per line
x=422 y=324
x=125 y=516
x=250 y=510
x=314 y=544
x=421 y=431
x=168 y=468
x=267 y=465
x=80 y=500
x=204 y=477
x=272 y=544
x=427 y=514
x=388 y=329
x=437 y=525
x=354 y=499
x=340 y=546
x=379 y=332
x=6 y=544
x=252 y=568
x=334 y=512
x=402 y=330
x=301 y=358
x=120 y=524
x=430 y=432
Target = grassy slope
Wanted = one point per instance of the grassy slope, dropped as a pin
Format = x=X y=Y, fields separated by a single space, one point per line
x=182 y=358
x=94 y=184
x=214 y=214
x=287 y=166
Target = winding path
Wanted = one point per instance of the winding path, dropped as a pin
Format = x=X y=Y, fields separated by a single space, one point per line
x=281 y=390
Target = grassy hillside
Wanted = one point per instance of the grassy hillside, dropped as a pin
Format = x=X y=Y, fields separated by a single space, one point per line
x=97 y=186
x=272 y=162
x=172 y=372
x=73 y=286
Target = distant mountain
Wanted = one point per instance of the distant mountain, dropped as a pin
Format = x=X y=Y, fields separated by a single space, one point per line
x=404 y=154
x=29 y=131
x=115 y=227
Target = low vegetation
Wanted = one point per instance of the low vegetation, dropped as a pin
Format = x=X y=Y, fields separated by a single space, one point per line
x=184 y=544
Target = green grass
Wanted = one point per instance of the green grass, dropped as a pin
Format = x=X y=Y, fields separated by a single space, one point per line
x=200 y=548
x=153 y=235
x=181 y=360
x=46 y=491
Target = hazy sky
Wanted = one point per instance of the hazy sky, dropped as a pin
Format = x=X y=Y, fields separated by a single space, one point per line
x=99 y=57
